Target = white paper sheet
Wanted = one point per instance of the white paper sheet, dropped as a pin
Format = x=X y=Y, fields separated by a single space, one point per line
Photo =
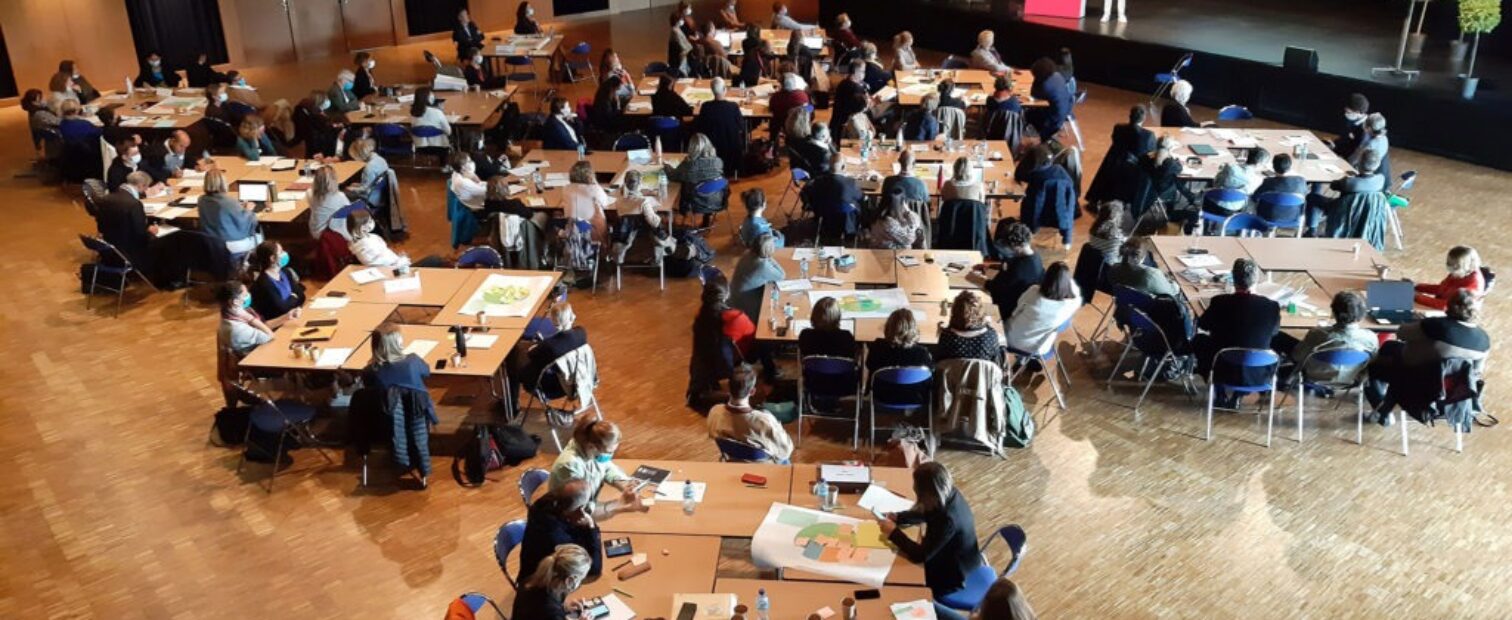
x=420 y=348
x=480 y=342
x=864 y=304
x=921 y=609
x=788 y=286
x=329 y=303
x=282 y=206
x=402 y=285
x=364 y=276
x=294 y=195
x=854 y=474
x=502 y=295
x=879 y=499
x=618 y=610
x=169 y=213
x=1199 y=260
x=331 y=358
x=189 y=182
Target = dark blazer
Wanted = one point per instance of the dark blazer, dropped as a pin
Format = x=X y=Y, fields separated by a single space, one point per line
x=849 y=98
x=545 y=529
x=1176 y=115
x=527 y=26
x=145 y=79
x=830 y=195
x=813 y=157
x=1350 y=139
x=270 y=303
x=876 y=78
x=1017 y=275
x=557 y=137
x=1118 y=174
x=479 y=76
x=921 y=125
x=466 y=36
x=364 y=84
x=831 y=343
x=204 y=75
x=1048 y=120
x=720 y=121
x=116 y=175
x=948 y=550
x=669 y=103
x=913 y=187
x=1289 y=184
x=122 y=221
x=537 y=603
x=752 y=67
x=409 y=373
x=154 y=160
x=1241 y=320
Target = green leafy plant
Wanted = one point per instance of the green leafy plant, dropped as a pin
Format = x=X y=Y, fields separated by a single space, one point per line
x=1478 y=17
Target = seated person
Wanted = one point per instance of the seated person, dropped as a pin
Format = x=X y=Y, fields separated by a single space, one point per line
x=277 y=290
x=1004 y=600
x=825 y=336
x=530 y=359
x=128 y=160
x=1348 y=310
x=738 y=421
x=781 y=20
x=372 y=251
x=1238 y=319
x=589 y=457
x=1107 y=233
x=700 y=165
x=898 y=347
x=904 y=58
x=470 y=190
x=834 y=198
x=922 y=124
x=1420 y=347
x=756 y=224
x=122 y=221
x=814 y=152
x=753 y=272
x=543 y=595
x=561 y=131
x=154 y=74
x=1020 y=270
x=969 y=335
x=242 y=329
x=946 y=90
x=632 y=205
x=1175 y=112
x=913 y=187
x=525 y=21
x=963 y=183
x=392 y=367
x=224 y=217
x=1042 y=310
x=985 y=57
x=568 y=516
x=898 y=226
x=1232 y=176
x=168 y=159
x=1131 y=271
x=1368 y=180
x=1282 y=181
x=948 y=549
x=1003 y=98
x=666 y=102
x=252 y=140
x=475 y=71
x=1464 y=265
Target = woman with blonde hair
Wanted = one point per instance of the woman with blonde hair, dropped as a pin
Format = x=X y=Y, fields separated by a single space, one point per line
x=543 y=595
x=898 y=347
x=1464 y=265
x=903 y=52
x=583 y=199
x=390 y=368
x=1004 y=601
x=374 y=169
x=859 y=127
x=963 y=183
x=252 y=140
x=589 y=456
x=223 y=217
x=948 y=549
x=326 y=199
x=970 y=335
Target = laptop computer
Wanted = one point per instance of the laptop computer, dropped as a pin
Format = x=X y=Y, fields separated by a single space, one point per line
x=259 y=193
x=1390 y=301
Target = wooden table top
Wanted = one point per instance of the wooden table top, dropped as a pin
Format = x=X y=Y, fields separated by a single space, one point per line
x=914 y=85
x=145 y=108
x=437 y=286
x=1321 y=165
x=510 y=44
x=479 y=362
x=928 y=314
x=603 y=162
x=450 y=314
x=795 y=600
x=355 y=322
x=689 y=566
x=756 y=105
x=730 y=508
x=899 y=480
x=732 y=40
x=1283 y=254
x=237 y=170
x=464 y=109
x=930 y=162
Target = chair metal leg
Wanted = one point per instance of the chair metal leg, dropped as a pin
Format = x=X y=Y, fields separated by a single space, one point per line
x=800 y=409
x=1049 y=374
x=277 y=458
x=1153 y=377
x=94 y=277
x=856 y=425
x=1270 y=420
x=1210 y=412
x=1403 y=424
x=1301 y=398
x=1459 y=440
x=871 y=429
x=364 y=470
x=1127 y=346
x=1360 y=418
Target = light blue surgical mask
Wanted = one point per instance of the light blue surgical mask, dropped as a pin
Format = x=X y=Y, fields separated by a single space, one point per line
x=247 y=301
x=604 y=458
x=346 y=86
x=283 y=259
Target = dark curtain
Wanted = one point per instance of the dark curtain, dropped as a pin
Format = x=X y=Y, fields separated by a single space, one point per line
x=431 y=16
x=180 y=30
x=573 y=7
x=7 y=79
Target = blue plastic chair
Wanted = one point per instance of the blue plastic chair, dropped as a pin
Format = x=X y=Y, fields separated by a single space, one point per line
x=464 y=223
x=800 y=180
x=1045 y=360
x=822 y=384
x=480 y=257
x=288 y=418
x=111 y=262
x=709 y=272
x=633 y=141
x=1281 y=210
x=908 y=389
x=1240 y=358
x=1219 y=203
x=1170 y=78
x=510 y=536
x=731 y=451
x=1339 y=357
x=1243 y=224
x=578 y=60
x=393 y=140
x=1235 y=113
x=1146 y=337
x=951 y=62
x=717 y=187
x=669 y=129
x=978 y=581
x=530 y=482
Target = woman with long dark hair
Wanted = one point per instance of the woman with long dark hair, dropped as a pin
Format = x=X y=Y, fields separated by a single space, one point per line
x=717 y=323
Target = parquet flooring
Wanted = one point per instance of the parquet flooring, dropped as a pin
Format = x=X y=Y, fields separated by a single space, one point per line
x=113 y=506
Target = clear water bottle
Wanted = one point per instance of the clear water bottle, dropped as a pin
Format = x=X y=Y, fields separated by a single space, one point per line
x=688 y=503
x=763 y=605
x=803 y=269
x=661 y=184
x=820 y=490
x=582 y=151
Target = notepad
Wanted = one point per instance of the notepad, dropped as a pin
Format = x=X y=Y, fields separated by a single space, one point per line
x=329 y=303
x=331 y=358
x=480 y=342
x=829 y=281
x=169 y=213
x=1196 y=261
x=879 y=499
x=420 y=348
x=190 y=182
x=534 y=201
x=789 y=286
x=402 y=285
x=292 y=195
x=515 y=189
x=908 y=260
x=364 y=276
x=281 y=206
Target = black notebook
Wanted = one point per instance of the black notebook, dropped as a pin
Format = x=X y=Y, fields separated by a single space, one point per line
x=651 y=475
x=1204 y=150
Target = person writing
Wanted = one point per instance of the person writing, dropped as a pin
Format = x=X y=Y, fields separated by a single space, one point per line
x=948 y=549
x=826 y=336
x=1464 y=265
x=736 y=420
x=568 y=516
x=589 y=457
x=898 y=227
x=666 y=102
x=543 y=596
x=898 y=347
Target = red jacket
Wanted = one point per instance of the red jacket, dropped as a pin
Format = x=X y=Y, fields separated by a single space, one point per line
x=1437 y=295
x=740 y=330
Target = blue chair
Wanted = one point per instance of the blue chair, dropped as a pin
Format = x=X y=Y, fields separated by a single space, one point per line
x=1281 y=210
x=393 y=140
x=480 y=257
x=425 y=132
x=1395 y=199
x=1175 y=74
x=1239 y=358
x=1246 y=225
x=669 y=129
x=510 y=536
x=707 y=273
x=902 y=390
x=633 y=141
x=1235 y=113
x=238 y=109
x=800 y=180
x=579 y=65
x=823 y=383
x=716 y=189
x=1341 y=357
x=521 y=69
x=290 y=419
x=475 y=602
x=731 y=451
x=978 y=581
x=112 y=263
x=1219 y=203
x=951 y=62
x=530 y=482
x=1146 y=337
x=1045 y=360
x=464 y=223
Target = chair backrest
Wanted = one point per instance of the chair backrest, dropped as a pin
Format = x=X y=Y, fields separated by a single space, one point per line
x=904 y=377
x=664 y=123
x=800 y=176
x=633 y=141
x=389 y=131
x=480 y=256
x=1246 y=358
x=1240 y=223
x=1407 y=180
x=656 y=68
x=712 y=186
x=510 y=536
x=1235 y=113
x=530 y=482
x=1088 y=273
x=426 y=131
x=951 y=62
x=1018 y=543
x=346 y=212
x=1341 y=357
x=732 y=451
x=1279 y=207
x=581 y=49
x=830 y=376
x=1224 y=195
x=104 y=249
x=1140 y=323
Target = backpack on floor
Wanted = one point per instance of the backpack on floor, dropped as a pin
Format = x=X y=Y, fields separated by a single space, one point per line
x=514 y=445
x=759 y=159
x=690 y=255
x=479 y=455
x=231 y=425
x=1019 y=425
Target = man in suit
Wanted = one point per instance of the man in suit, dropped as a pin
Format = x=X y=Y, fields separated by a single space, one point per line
x=465 y=34
x=340 y=94
x=128 y=159
x=1175 y=113
x=1118 y=176
x=721 y=122
x=850 y=98
x=167 y=159
x=835 y=198
x=1237 y=319
x=122 y=221
x=1355 y=113
x=1281 y=181
x=561 y=131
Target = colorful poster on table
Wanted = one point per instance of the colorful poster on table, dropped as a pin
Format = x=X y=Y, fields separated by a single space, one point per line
x=819 y=542
x=864 y=304
x=505 y=295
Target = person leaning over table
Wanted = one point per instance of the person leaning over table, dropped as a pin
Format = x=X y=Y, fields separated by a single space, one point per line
x=1049 y=86
x=252 y=141
x=904 y=58
x=589 y=457
x=969 y=335
x=568 y=516
x=202 y=73
x=167 y=159
x=276 y=291
x=700 y=165
x=154 y=74
x=498 y=200
x=877 y=76
x=985 y=57
x=1132 y=272
x=1021 y=268
x=834 y=197
x=1002 y=99
x=948 y=549
x=946 y=90
x=122 y=221
x=825 y=336
x=224 y=217
x=1237 y=319
x=737 y=420
x=815 y=150
x=543 y=595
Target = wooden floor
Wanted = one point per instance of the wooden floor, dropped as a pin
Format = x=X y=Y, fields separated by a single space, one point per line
x=113 y=506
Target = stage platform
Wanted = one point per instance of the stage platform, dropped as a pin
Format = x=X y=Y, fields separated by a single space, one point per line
x=1238 y=46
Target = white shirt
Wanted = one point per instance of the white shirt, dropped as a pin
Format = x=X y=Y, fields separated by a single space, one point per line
x=241 y=337
x=587 y=201
x=321 y=215
x=433 y=117
x=642 y=205
x=1032 y=325
x=372 y=251
x=471 y=193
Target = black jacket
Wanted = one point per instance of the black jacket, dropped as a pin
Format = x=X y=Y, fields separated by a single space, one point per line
x=545 y=529
x=669 y=103
x=364 y=84
x=269 y=302
x=1241 y=320
x=948 y=550
x=204 y=75
x=145 y=79
x=720 y=121
x=830 y=343
x=850 y=98
x=537 y=604
x=557 y=137
x=1176 y=115
x=1018 y=274
x=122 y=221
x=876 y=78
x=116 y=175
x=1118 y=176
x=1289 y=184
x=829 y=195
x=466 y=36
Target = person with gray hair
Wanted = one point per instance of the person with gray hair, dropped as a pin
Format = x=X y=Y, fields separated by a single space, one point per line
x=1374 y=141
x=724 y=125
x=1239 y=319
x=985 y=56
x=1175 y=113
x=122 y=220
x=340 y=93
x=543 y=595
x=1421 y=347
x=1367 y=179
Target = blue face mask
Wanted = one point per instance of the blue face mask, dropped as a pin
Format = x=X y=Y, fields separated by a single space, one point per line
x=346 y=86
x=604 y=458
x=247 y=301
x=283 y=259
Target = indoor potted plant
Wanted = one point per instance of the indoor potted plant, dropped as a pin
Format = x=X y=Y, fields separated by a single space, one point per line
x=1476 y=17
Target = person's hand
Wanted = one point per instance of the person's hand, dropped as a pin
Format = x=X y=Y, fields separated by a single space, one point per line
x=248 y=206
x=152 y=229
x=632 y=500
x=888 y=526
x=294 y=314
x=178 y=174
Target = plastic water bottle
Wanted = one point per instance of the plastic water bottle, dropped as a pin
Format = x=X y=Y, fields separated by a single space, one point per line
x=688 y=503
x=582 y=151
x=803 y=269
x=661 y=184
x=820 y=490
x=763 y=605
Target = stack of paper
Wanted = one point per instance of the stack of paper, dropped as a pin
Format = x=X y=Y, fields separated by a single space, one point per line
x=364 y=276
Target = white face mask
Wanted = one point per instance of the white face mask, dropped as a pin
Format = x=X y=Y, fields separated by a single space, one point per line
x=478 y=60
x=75 y=76
x=372 y=64
x=688 y=11
x=1353 y=116
x=530 y=12
x=325 y=104
x=222 y=97
x=135 y=159
x=470 y=169
x=154 y=63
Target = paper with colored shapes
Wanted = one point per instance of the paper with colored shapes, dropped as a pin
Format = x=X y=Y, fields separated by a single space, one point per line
x=913 y=610
x=828 y=544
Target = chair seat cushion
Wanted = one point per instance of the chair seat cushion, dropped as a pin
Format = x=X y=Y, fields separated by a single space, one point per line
x=266 y=419
x=973 y=591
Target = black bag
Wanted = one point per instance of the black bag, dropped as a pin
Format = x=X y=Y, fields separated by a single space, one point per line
x=691 y=254
x=514 y=445
x=490 y=448
x=231 y=425
x=758 y=158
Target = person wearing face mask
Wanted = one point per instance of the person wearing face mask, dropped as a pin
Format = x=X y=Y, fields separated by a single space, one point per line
x=466 y=34
x=561 y=130
x=167 y=159
x=84 y=91
x=729 y=16
x=224 y=217
x=543 y=595
x=155 y=74
x=425 y=113
x=525 y=22
x=242 y=329
x=122 y=220
x=61 y=89
x=476 y=72
x=277 y=291
x=781 y=20
x=470 y=190
x=315 y=127
x=128 y=160
x=340 y=94
x=202 y=73
x=215 y=104
x=589 y=456
x=1353 y=134
x=610 y=66
x=364 y=83
x=240 y=91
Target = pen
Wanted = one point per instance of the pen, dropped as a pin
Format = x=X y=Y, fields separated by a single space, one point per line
x=624 y=565
x=623 y=592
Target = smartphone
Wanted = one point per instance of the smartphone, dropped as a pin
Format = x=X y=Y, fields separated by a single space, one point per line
x=867 y=595
x=688 y=611
x=441 y=364
x=336 y=294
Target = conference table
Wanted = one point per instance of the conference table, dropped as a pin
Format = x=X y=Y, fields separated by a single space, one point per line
x=933 y=164
x=610 y=168
x=470 y=108
x=733 y=41
x=154 y=108
x=497 y=48
x=754 y=101
x=354 y=324
x=973 y=86
x=290 y=182
x=437 y=286
x=451 y=313
x=1320 y=165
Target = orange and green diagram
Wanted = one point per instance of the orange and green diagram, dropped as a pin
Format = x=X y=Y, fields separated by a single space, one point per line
x=830 y=542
